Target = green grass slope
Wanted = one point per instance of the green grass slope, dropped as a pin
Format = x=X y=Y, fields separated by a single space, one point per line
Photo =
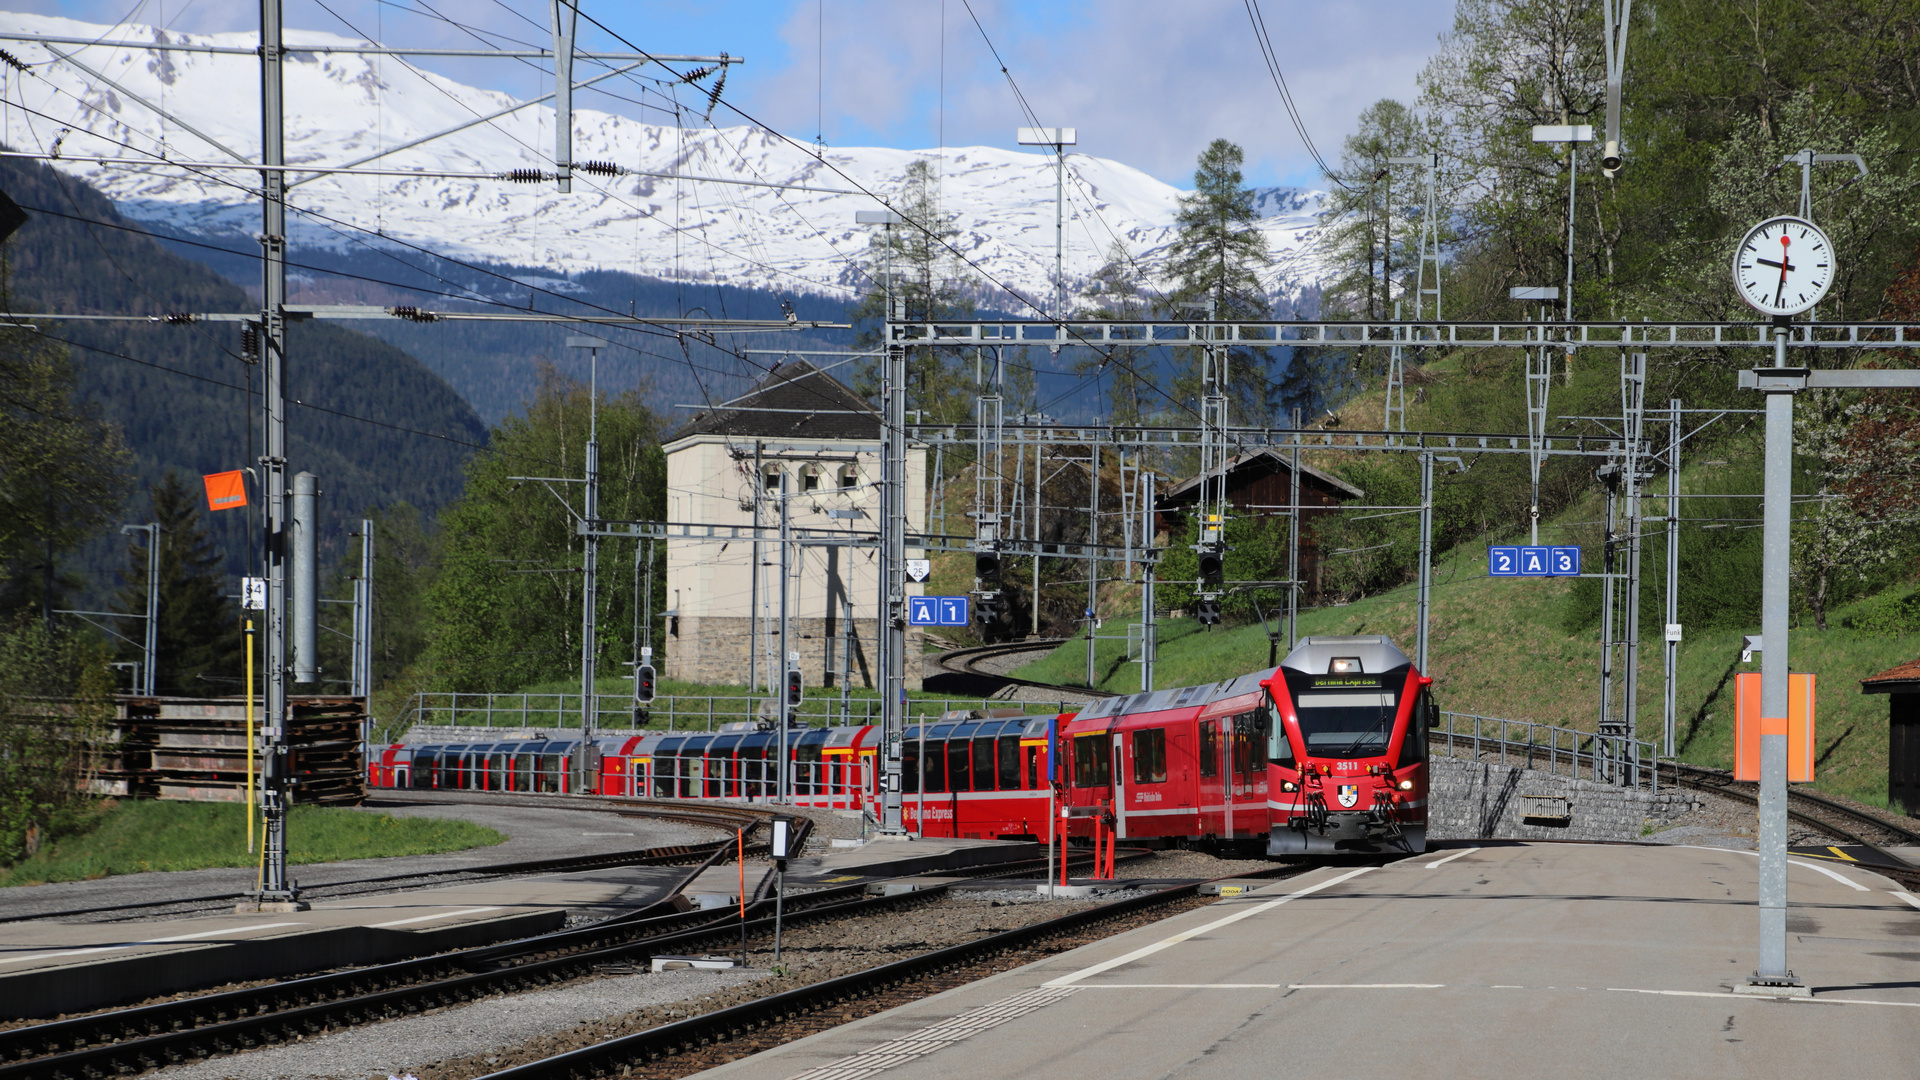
x=1498 y=648
x=134 y=836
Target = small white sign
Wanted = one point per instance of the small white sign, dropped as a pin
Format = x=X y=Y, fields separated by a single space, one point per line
x=1673 y=631
x=919 y=569
x=253 y=593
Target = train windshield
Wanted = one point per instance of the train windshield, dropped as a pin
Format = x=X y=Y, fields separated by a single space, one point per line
x=1344 y=720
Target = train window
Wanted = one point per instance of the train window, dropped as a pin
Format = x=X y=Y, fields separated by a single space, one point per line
x=909 y=768
x=1092 y=760
x=959 y=766
x=1209 y=748
x=1413 y=749
x=1033 y=767
x=935 y=766
x=1279 y=749
x=1150 y=756
x=983 y=767
x=1009 y=763
x=1343 y=723
x=1250 y=742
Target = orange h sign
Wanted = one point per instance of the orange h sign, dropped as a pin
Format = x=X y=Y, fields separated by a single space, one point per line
x=1748 y=726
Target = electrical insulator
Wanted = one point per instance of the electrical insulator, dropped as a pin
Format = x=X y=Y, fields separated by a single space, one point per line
x=597 y=168
x=986 y=568
x=524 y=176
x=794 y=688
x=643 y=683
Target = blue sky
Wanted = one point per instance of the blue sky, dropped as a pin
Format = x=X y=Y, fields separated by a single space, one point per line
x=1146 y=82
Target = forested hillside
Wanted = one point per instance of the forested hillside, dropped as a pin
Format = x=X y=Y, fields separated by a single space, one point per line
x=372 y=422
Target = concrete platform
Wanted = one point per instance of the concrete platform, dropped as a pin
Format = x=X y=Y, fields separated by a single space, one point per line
x=1506 y=961
x=49 y=968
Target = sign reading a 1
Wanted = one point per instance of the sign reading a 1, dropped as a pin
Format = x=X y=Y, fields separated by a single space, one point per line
x=937 y=610
x=1532 y=561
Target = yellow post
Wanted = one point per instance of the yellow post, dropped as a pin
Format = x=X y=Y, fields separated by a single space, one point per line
x=249 y=804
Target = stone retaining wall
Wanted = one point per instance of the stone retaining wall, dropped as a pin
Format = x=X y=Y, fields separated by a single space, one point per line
x=1481 y=800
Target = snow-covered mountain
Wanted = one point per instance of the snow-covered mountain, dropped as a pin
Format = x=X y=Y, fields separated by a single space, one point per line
x=345 y=107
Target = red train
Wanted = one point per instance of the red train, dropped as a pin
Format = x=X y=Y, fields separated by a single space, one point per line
x=1326 y=753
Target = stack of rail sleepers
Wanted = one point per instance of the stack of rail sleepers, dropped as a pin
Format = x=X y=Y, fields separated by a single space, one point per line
x=195 y=749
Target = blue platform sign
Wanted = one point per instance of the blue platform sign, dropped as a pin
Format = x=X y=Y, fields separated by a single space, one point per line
x=937 y=610
x=1533 y=561
x=1563 y=561
x=953 y=610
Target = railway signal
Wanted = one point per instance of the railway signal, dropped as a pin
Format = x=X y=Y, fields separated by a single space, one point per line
x=1208 y=612
x=794 y=688
x=643 y=684
x=1213 y=571
x=986 y=570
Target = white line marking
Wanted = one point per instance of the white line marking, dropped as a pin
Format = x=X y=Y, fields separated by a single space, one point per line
x=1908 y=897
x=606 y=834
x=1067 y=980
x=1848 y=882
x=430 y=918
x=1365 y=986
x=1437 y=863
x=1730 y=996
x=148 y=941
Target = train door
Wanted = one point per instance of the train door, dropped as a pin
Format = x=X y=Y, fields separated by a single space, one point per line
x=1120 y=766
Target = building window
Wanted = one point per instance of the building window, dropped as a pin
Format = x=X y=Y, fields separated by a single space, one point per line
x=770 y=478
x=809 y=477
x=849 y=476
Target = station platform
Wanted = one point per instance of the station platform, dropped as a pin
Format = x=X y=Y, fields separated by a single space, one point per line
x=48 y=968
x=1506 y=961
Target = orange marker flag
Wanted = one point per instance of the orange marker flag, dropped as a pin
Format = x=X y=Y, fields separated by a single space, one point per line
x=226 y=490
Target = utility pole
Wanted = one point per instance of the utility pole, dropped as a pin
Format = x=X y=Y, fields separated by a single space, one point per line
x=305 y=585
x=1426 y=560
x=150 y=641
x=892 y=616
x=1059 y=138
x=1672 y=635
x=276 y=890
x=589 y=561
x=1093 y=556
x=363 y=615
x=783 y=788
x=1293 y=542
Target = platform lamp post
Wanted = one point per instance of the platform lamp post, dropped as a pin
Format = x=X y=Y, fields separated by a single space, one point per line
x=589 y=560
x=1059 y=138
x=891 y=618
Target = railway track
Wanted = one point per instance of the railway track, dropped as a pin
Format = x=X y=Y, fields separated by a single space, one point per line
x=966 y=661
x=687 y=1046
x=724 y=818
x=1815 y=811
x=133 y=1040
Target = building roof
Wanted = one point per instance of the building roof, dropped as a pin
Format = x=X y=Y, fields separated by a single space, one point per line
x=1901 y=679
x=795 y=401
x=1263 y=461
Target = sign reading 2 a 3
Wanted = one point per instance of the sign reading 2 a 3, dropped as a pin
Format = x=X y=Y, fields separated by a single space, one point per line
x=1533 y=561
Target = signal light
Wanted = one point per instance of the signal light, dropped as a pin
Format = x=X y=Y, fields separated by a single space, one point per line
x=986 y=567
x=643 y=683
x=1209 y=612
x=1212 y=568
x=794 y=689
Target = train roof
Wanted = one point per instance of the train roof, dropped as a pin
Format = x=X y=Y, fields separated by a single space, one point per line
x=1179 y=697
x=1315 y=655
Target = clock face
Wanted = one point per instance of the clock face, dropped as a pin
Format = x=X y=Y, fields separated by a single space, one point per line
x=1784 y=266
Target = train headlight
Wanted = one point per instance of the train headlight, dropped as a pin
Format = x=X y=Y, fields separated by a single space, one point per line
x=1288 y=785
x=1406 y=785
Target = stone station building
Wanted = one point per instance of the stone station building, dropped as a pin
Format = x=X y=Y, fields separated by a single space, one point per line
x=801 y=428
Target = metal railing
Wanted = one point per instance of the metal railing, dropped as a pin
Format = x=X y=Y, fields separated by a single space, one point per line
x=677 y=712
x=1609 y=759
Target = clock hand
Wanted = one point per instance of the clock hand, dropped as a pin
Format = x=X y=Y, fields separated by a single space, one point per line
x=1779 y=294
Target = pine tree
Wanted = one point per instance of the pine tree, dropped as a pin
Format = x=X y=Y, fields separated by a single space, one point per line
x=200 y=642
x=1217 y=257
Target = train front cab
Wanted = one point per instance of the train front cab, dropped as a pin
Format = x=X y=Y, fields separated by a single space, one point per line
x=1347 y=749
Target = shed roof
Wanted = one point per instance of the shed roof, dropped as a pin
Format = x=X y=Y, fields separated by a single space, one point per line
x=1261 y=461
x=794 y=401
x=1900 y=679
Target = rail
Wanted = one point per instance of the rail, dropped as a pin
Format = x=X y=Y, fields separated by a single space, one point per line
x=671 y=712
x=1614 y=759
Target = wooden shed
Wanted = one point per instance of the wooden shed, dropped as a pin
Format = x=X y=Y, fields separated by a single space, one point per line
x=1902 y=685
